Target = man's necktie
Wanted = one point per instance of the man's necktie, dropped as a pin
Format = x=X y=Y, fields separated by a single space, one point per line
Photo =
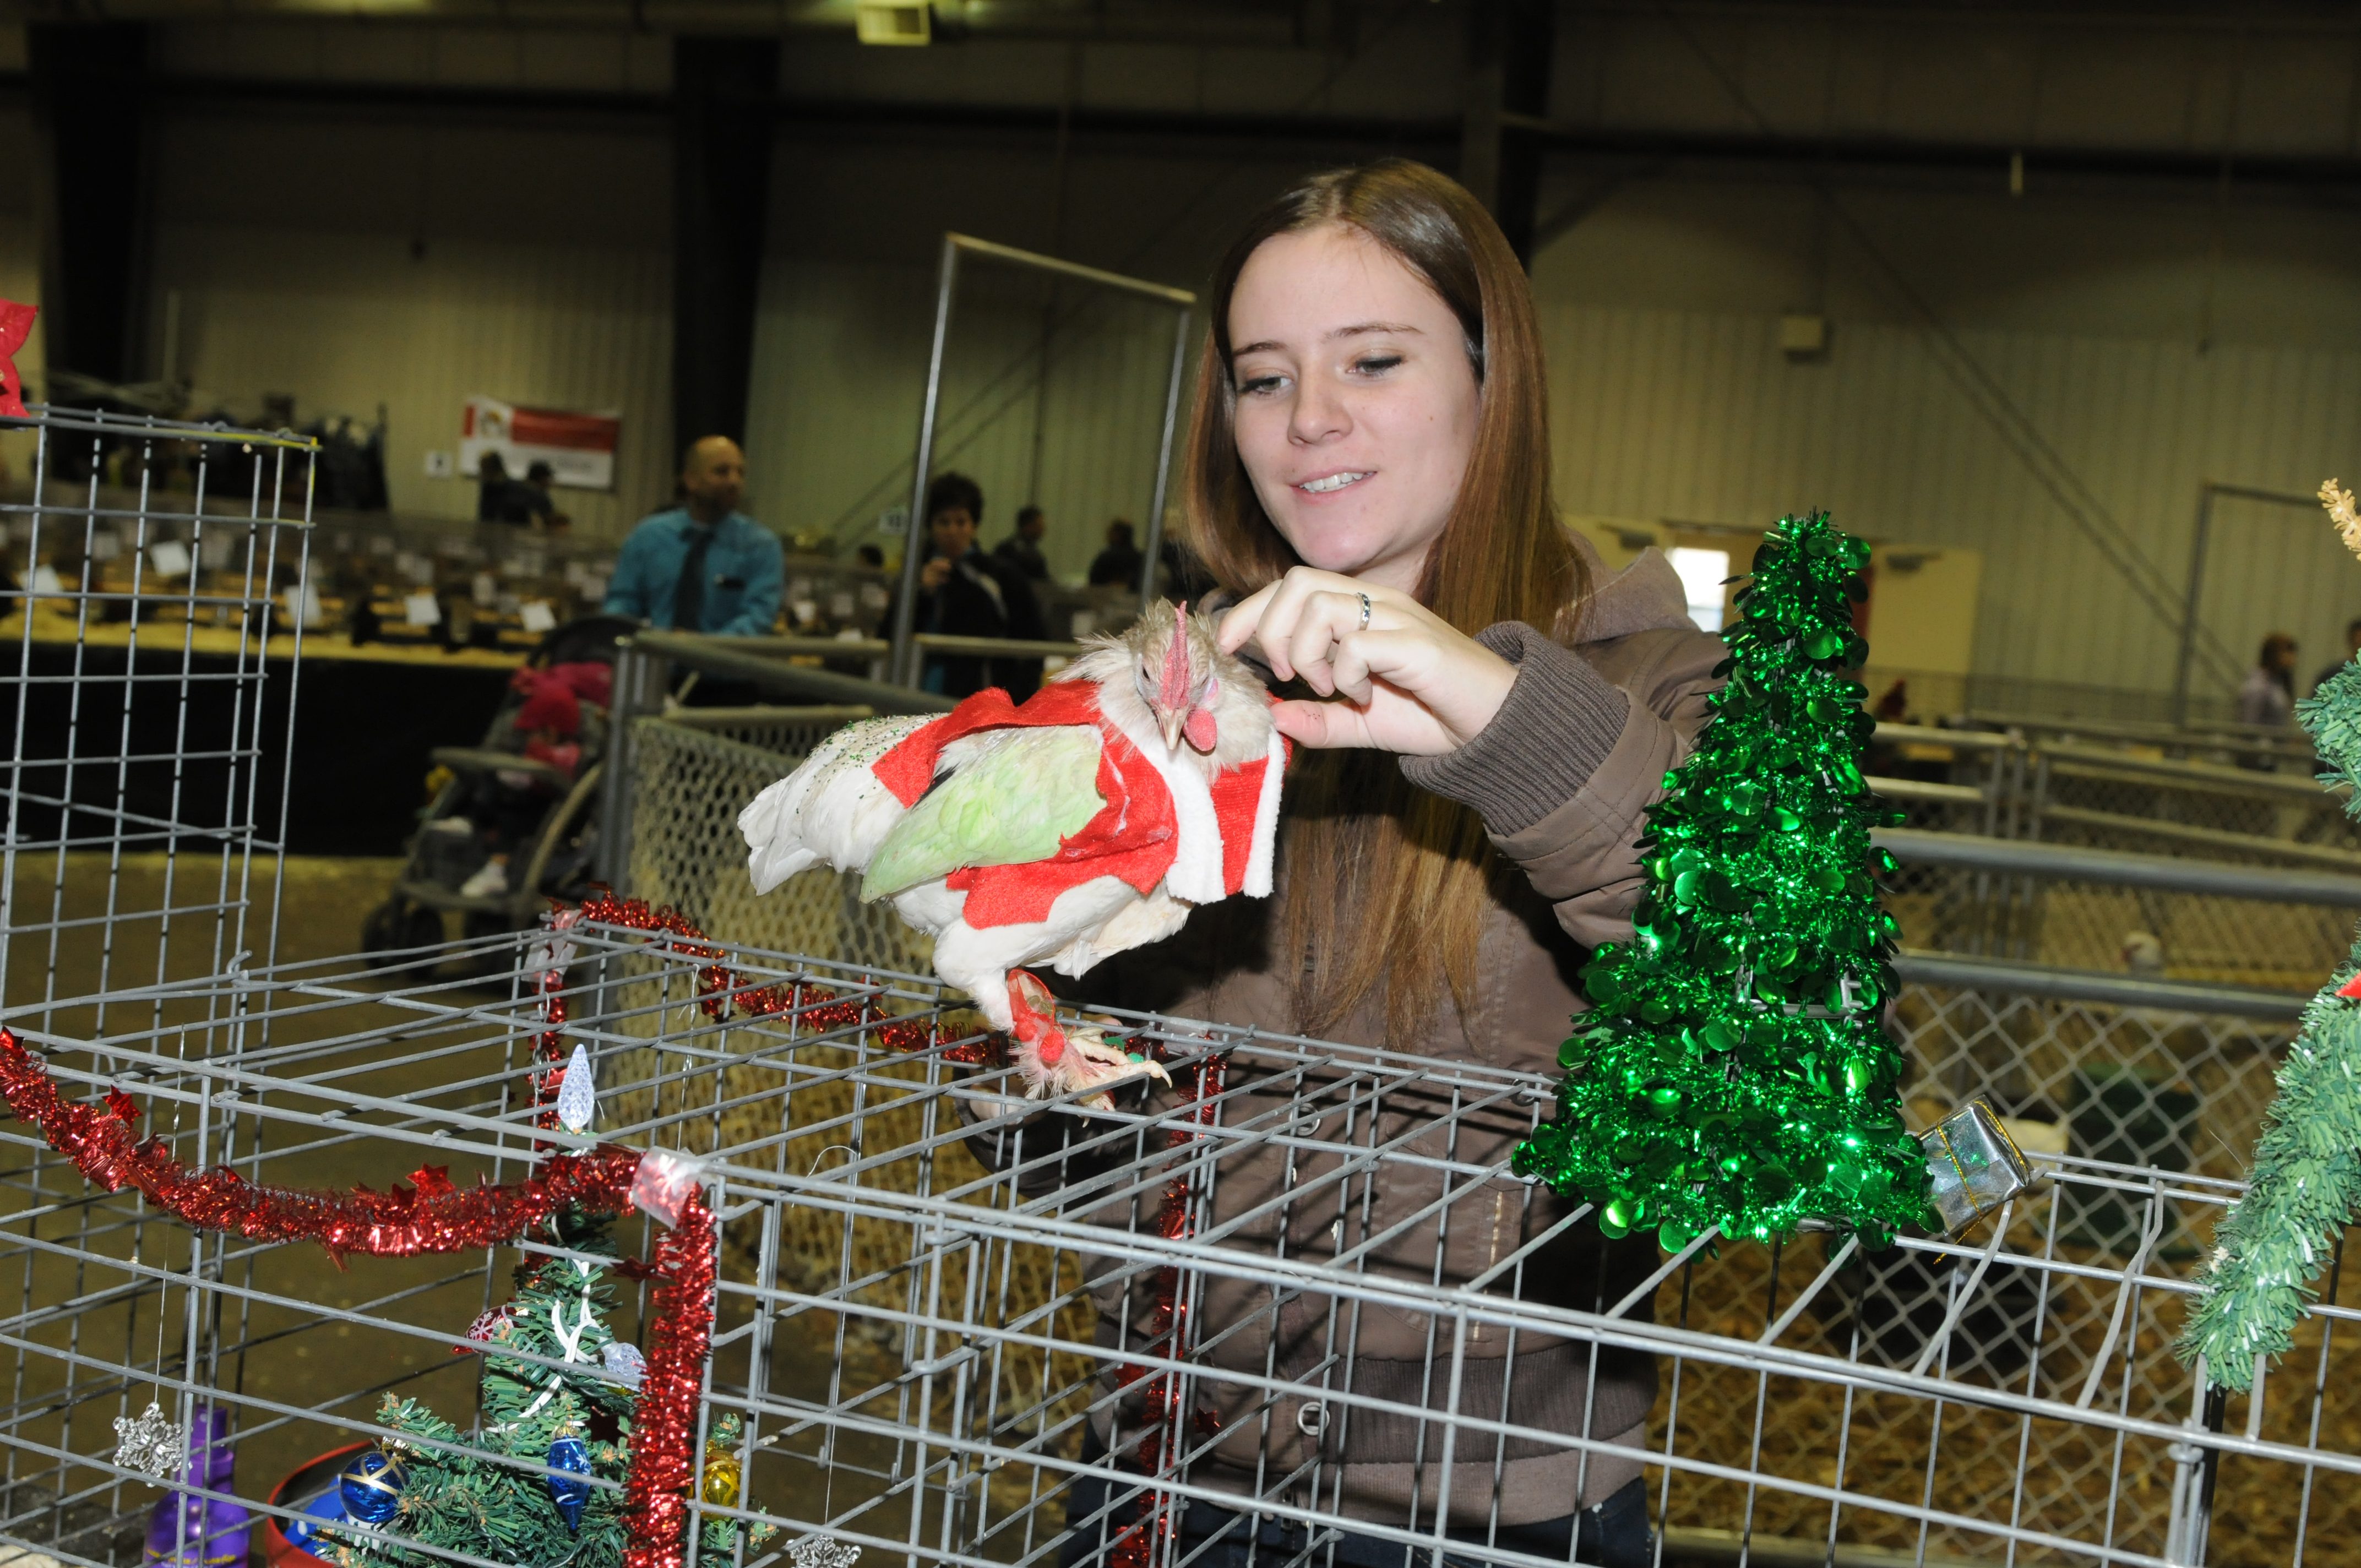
x=688 y=594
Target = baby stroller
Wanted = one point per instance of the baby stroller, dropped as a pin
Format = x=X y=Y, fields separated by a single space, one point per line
x=514 y=823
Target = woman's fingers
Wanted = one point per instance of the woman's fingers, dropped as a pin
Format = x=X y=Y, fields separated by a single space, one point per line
x=1287 y=618
x=1363 y=657
x=1323 y=726
x=1240 y=621
x=1323 y=620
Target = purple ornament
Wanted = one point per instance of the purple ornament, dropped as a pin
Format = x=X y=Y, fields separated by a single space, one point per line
x=188 y=1532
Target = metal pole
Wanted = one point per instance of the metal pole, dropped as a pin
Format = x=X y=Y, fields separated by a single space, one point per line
x=1164 y=457
x=906 y=655
x=637 y=674
x=2189 y=612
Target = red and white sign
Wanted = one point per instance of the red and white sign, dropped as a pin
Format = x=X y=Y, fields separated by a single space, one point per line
x=578 y=447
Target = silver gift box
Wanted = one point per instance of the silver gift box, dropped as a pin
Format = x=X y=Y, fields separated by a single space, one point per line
x=1973 y=1166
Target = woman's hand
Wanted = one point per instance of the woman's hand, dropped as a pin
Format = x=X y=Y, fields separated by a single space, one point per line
x=1411 y=683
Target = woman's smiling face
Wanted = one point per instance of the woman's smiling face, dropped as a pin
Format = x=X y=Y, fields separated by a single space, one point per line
x=1357 y=405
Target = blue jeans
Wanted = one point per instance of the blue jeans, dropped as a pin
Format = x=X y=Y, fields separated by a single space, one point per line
x=1615 y=1534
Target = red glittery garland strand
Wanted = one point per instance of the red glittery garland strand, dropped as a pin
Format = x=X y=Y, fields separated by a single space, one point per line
x=435 y=1216
x=813 y=1006
x=1159 y=1519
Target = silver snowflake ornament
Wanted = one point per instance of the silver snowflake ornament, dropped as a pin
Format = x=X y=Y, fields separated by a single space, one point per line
x=624 y=1364
x=820 y=1551
x=154 y=1444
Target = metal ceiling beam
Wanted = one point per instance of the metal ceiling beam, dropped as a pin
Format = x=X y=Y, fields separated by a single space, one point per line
x=1509 y=46
x=1430 y=136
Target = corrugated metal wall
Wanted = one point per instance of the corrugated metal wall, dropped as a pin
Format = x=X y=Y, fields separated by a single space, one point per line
x=350 y=324
x=382 y=262
x=839 y=376
x=408 y=269
x=1698 y=417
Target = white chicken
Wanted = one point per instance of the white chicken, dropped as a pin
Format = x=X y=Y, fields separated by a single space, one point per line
x=1140 y=783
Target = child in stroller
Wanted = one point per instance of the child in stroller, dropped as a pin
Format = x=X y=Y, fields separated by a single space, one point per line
x=506 y=806
x=514 y=821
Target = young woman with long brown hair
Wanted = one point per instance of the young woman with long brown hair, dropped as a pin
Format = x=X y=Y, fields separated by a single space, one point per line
x=1369 y=477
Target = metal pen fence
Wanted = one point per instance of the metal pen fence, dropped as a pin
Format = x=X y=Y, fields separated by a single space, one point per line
x=939 y=1301
x=2134 y=1072
x=148 y=660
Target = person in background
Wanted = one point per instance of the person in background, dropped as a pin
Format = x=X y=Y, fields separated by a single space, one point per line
x=499 y=498
x=2351 y=652
x=2268 y=700
x=962 y=592
x=871 y=557
x=538 y=501
x=1022 y=548
x=1120 y=562
x=703 y=565
x=510 y=804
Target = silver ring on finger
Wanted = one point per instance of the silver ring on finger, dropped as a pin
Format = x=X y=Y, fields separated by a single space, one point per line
x=1365 y=614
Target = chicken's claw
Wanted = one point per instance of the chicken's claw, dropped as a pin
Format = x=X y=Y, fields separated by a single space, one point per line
x=1055 y=1060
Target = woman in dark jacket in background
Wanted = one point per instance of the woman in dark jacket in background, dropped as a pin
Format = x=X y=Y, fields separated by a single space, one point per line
x=963 y=592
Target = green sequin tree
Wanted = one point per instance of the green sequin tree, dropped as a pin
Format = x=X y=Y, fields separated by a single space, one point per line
x=1735 y=1072
x=466 y=1490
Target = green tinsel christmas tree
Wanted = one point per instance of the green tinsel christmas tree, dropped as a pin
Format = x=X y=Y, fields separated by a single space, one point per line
x=472 y=1496
x=1735 y=1072
x=2269 y=1249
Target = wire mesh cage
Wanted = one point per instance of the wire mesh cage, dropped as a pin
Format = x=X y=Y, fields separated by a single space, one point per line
x=156 y=605
x=959 y=1326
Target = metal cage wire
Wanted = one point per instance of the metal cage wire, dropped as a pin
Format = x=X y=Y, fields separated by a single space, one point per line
x=931 y=1288
x=150 y=645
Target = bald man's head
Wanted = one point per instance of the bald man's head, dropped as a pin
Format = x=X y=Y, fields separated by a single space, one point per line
x=713 y=477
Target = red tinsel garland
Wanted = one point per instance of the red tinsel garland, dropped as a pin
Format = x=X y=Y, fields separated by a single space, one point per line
x=814 y=1007
x=435 y=1216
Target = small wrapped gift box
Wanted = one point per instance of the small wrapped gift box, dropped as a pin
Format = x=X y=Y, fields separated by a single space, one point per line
x=1973 y=1166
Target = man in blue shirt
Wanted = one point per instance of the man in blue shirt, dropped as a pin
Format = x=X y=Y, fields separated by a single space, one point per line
x=702 y=566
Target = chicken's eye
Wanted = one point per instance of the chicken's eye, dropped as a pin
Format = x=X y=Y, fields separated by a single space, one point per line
x=1143 y=681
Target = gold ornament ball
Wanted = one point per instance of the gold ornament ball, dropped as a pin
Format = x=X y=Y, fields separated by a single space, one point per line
x=721 y=1476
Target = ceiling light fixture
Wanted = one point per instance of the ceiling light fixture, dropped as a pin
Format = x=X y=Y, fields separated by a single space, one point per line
x=894 y=21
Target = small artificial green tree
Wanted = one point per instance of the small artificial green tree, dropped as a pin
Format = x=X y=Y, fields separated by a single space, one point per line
x=465 y=1491
x=1735 y=1072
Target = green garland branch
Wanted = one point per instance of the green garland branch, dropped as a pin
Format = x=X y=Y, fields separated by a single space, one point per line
x=2271 y=1247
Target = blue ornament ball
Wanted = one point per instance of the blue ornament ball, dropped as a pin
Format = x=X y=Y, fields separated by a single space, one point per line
x=570 y=1455
x=371 y=1488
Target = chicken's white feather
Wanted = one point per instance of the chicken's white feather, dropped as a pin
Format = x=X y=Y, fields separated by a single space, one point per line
x=831 y=809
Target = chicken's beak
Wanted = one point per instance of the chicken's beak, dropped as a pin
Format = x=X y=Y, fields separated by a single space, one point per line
x=1172 y=721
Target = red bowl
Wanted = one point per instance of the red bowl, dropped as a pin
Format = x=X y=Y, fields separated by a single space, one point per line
x=277 y=1551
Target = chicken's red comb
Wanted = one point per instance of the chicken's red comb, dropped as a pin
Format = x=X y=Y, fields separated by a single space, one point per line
x=1172 y=687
